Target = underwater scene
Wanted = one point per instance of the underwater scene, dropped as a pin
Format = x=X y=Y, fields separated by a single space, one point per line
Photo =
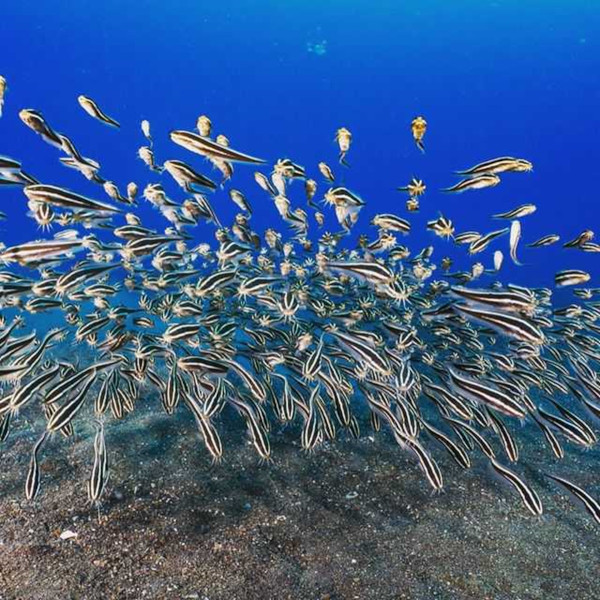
x=299 y=300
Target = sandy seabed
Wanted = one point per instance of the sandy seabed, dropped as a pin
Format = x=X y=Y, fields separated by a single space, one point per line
x=353 y=520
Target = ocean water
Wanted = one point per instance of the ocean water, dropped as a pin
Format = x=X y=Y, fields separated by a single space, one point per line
x=491 y=78
x=356 y=518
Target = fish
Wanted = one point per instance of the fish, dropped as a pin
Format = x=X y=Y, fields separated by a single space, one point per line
x=546 y=240
x=204 y=126
x=146 y=154
x=498 y=260
x=326 y=171
x=515 y=237
x=36 y=121
x=100 y=471
x=517 y=213
x=583 y=238
x=32 y=483
x=479 y=244
x=3 y=88
x=590 y=504
x=478 y=182
x=571 y=277
x=530 y=497
x=442 y=227
x=211 y=149
x=415 y=188
x=412 y=205
x=92 y=109
x=485 y=394
x=57 y=196
x=344 y=138
x=145 y=127
x=390 y=222
x=418 y=127
x=188 y=178
x=503 y=164
x=34 y=253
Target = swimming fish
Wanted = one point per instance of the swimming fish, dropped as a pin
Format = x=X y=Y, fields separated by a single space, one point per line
x=478 y=182
x=590 y=504
x=206 y=147
x=343 y=137
x=418 y=128
x=3 y=88
x=571 y=277
x=282 y=324
x=92 y=109
x=515 y=237
x=517 y=213
x=503 y=164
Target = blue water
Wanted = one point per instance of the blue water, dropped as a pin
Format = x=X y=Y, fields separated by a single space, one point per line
x=278 y=78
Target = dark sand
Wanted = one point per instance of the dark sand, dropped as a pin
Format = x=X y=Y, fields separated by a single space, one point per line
x=353 y=520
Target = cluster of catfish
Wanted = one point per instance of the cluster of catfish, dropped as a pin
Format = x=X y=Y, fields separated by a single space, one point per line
x=278 y=330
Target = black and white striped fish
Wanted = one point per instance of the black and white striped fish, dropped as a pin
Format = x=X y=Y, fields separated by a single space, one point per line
x=92 y=109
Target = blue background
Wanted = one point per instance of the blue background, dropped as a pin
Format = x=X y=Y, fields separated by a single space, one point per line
x=491 y=78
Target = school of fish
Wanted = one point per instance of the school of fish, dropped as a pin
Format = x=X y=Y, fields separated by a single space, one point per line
x=282 y=328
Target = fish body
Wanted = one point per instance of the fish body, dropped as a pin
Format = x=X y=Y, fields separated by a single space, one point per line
x=91 y=108
x=418 y=128
x=3 y=88
x=503 y=164
x=478 y=182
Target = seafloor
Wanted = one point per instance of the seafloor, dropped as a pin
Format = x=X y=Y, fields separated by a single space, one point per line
x=352 y=520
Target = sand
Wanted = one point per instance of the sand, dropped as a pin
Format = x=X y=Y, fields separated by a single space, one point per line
x=353 y=520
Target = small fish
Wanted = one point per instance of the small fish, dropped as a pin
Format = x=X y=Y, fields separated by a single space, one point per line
x=481 y=243
x=499 y=165
x=412 y=205
x=36 y=121
x=590 y=504
x=188 y=178
x=415 y=188
x=204 y=126
x=571 y=277
x=145 y=126
x=3 y=88
x=32 y=483
x=326 y=171
x=478 y=182
x=343 y=137
x=99 y=476
x=310 y=188
x=515 y=237
x=517 y=213
x=146 y=154
x=467 y=237
x=442 y=227
x=418 y=128
x=530 y=498
x=547 y=240
x=583 y=238
x=498 y=260
x=389 y=222
x=240 y=200
x=206 y=147
x=92 y=109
